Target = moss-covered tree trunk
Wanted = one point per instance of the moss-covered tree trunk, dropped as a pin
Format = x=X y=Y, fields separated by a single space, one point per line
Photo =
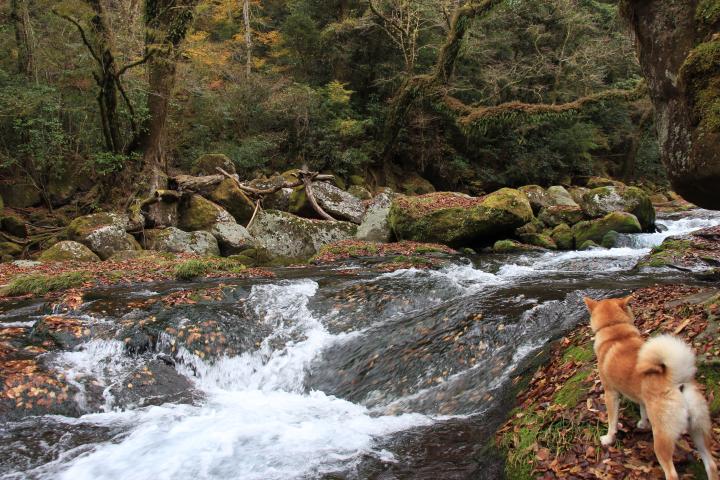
x=679 y=49
x=20 y=16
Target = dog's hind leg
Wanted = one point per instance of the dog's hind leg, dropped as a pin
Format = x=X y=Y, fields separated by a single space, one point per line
x=664 y=448
x=643 y=424
x=700 y=428
x=612 y=403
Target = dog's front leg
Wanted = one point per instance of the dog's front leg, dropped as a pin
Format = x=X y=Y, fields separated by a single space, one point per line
x=612 y=406
x=643 y=424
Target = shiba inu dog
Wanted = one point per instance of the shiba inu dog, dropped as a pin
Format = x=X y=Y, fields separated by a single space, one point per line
x=658 y=374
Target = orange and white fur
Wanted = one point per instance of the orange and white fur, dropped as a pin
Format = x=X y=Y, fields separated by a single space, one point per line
x=658 y=374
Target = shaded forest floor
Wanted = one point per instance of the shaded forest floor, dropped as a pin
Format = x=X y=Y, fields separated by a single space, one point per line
x=554 y=432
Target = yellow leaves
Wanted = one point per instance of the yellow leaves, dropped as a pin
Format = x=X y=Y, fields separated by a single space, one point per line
x=197 y=36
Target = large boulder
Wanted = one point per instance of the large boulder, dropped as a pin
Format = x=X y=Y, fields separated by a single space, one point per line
x=69 y=251
x=562 y=235
x=338 y=203
x=459 y=220
x=174 y=240
x=698 y=251
x=603 y=200
x=555 y=215
x=232 y=238
x=537 y=196
x=595 y=230
x=104 y=233
x=229 y=196
x=290 y=237
x=15 y=226
x=20 y=193
x=207 y=164
x=375 y=226
x=198 y=213
x=558 y=195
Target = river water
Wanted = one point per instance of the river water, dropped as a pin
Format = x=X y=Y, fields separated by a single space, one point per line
x=334 y=372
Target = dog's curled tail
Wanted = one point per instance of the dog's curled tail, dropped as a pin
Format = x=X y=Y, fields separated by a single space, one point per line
x=667 y=355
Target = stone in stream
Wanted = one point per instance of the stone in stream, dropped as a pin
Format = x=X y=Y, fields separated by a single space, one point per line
x=603 y=200
x=68 y=250
x=174 y=240
x=511 y=246
x=562 y=235
x=459 y=220
x=698 y=251
x=340 y=204
x=554 y=215
x=595 y=230
x=104 y=233
x=375 y=226
x=539 y=240
x=286 y=236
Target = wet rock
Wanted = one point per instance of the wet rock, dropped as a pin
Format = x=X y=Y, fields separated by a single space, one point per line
x=562 y=235
x=539 y=240
x=459 y=220
x=207 y=164
x=229 y=196
x=375 y=226
x=69 y=250
x=589 y=245
x=559 y=196
x=174 y=240
x=537 y=197
x=198 y=213
x=603 y=200
x=610 y=239
x=698 y=251
x=287 y=236
x=555 y=215
x=156 y=383
x=232 y=238
x=416 y=185
x=338 y=203
x=62 y=331
x=510 y=246
x=533 y=226
x=595 y=230
x=14 y=226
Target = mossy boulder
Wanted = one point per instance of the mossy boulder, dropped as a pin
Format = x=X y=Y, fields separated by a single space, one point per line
x=14 y=226
x=555 y=215
x=610 y=239
x=577 y=194
x=340 y=204
x=595 y=182
x=357 y=180
x=232 y=238
x=20 y=194
x=512 y=246
x=533 y=226
x=10 y=249
x=589 y=245
x=68 y=250
x=603 y=200
x=104 y=233
x=207 y=164
x=198 y=213
x=537 y=196
x=559 y=196
x=289 y=237
x=562 y=235
x=174 y=240
x=459 y=220
x=595 y=230
x=698 y=251
x=375 y=226
x=414 y=184
x=229 y=196
x=539 y=240
x=298 y=204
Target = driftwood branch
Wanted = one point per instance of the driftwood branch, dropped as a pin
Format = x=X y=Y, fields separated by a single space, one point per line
x=307 y=179
x=252 y=219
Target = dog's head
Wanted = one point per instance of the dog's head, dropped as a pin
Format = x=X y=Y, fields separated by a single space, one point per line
x=608 y=312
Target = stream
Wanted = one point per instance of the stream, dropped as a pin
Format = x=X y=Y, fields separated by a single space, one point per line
x=330 y=372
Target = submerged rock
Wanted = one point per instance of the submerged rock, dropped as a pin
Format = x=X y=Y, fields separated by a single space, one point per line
x=286 y=236
x=595 y=230
x=459 y=220
x=375 y=226
x=174 y=240
x=69 y=250
x=198 y=213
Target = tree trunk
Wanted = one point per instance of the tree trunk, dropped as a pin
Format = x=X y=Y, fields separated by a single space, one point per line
x=248 y=36
x=20 y=17
x=681 y=64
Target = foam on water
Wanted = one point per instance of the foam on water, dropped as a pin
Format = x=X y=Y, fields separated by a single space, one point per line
x=257 y=422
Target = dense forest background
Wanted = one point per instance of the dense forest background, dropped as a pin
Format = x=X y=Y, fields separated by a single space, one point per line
x=275 y=84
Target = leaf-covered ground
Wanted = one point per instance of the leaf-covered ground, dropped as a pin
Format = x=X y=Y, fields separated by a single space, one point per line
x=554 y=432
x=346 y=249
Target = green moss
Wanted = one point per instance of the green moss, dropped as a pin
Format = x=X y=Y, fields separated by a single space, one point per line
x=82 y=226
x=198 y=213
x=579 y=353
x=200 y=268
x=11 y=249
x=708 y=12
x=40 y=284
x=700 y=72
x=709 y=375
x=229 y=196
x=595 y=230
x=562 y=235
x=573 y=389
x=539 y=240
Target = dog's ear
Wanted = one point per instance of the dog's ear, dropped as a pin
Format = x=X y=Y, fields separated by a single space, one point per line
x=591 y=304
x=625 y=301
